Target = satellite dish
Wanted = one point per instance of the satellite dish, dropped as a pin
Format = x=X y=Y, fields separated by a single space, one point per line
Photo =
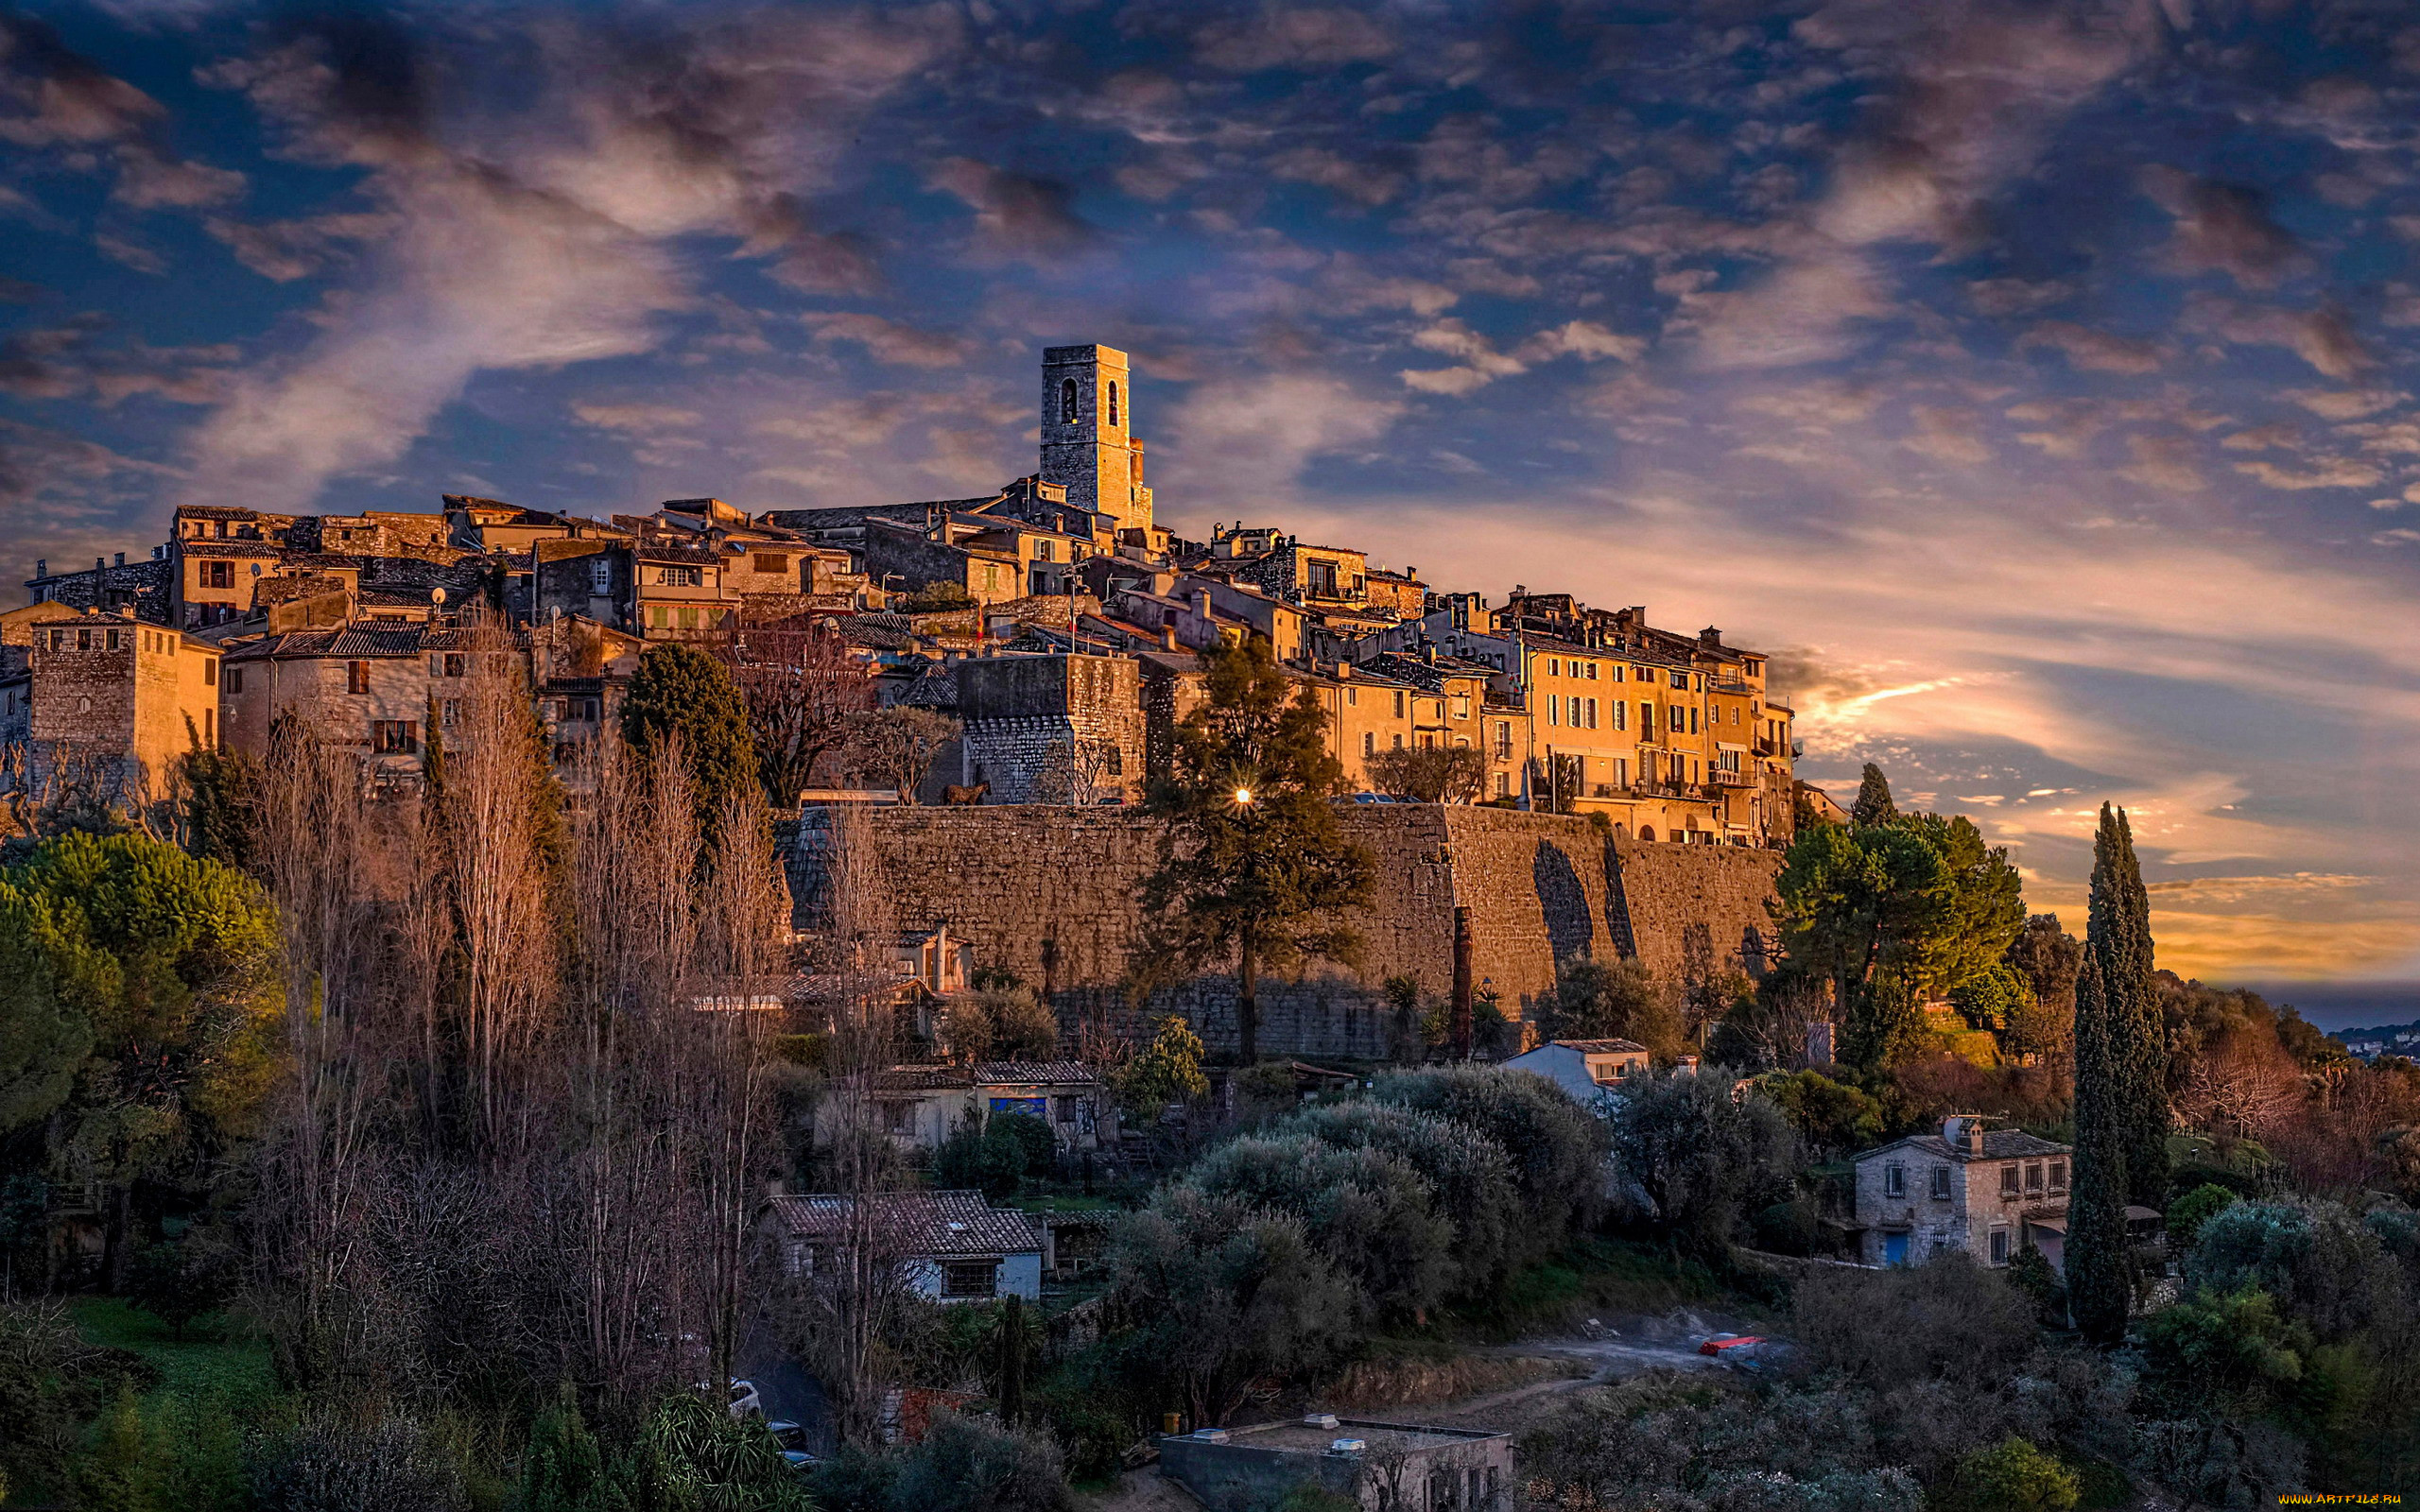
x=437 y=595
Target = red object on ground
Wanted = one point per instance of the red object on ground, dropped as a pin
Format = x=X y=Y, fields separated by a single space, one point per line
x=1720 y=1342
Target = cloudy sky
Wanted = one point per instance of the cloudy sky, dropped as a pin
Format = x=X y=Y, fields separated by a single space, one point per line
x=2035 y=380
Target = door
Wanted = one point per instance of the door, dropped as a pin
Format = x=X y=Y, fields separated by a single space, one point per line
x=1894 y=1249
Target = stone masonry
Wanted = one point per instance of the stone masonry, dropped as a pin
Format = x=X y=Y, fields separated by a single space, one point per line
x=1036 y=727
x=1050 y=894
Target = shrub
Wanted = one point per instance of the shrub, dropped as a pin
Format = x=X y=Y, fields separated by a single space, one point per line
x=1704 y=1159
x=1372 y=1213
x=1001 y=1022
x=1829 y=1115
x=1949 y=1320
x=52 y=1382
x=1557 y=1148
x=2030 y=1272
x=1470 y=1174
x=997 y=1157
x=1169 y=1069
x=1595 y=1000
x=325 y=1463
x=1791 y=1227
x=696 y=1454
x=181 y=1281
x=968 y=1465
x=2187 y=1213
x=2011 y=1476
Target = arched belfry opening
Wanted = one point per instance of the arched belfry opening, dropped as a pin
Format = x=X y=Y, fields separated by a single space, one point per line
x=1067 y=402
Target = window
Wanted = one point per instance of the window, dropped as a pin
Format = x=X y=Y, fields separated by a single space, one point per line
x=1063 y=1108
x=1592 y=671
x=1894 y=1180
x=1369 y=743
x=1941 y=1183
x=1621 y=714
x=219 y=575
x=2058 y=1175
x=1618 y=671
x=900 y=1118
x=235 y=680
x=1503 y=784
x=1352 y=696
x=393 y=737
x=1693 y=722
x=1646 y=720
x=1398 y=703
x=1461 y=705
x=1504 y=739
x=970 y=1277
x=688 y=619
x=776 y=563
x=1112 y=405
x=2009 y=1177
x=1398 y=742
x=1067 y=402
x=210 y=727
x=685 y=577
x=1999 y=1247
x=1555 y=666
x=601 y=576
x=1554 y=708
x=356 y=677
x=1591 y=714
x=658 y=616
x=449 y=713
x=210 y=672
x=2033 y=1176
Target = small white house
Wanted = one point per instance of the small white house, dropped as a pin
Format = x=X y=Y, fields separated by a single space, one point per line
x=946 y=1246
x=1588 y=1069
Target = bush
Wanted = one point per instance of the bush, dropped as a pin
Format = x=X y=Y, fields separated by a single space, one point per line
x=1557 y=1148
x=52 y=1382
x=855 y=1479
x=968 y=1465
x=1791 y=1227
x=324 y=1464
x=1370 y=1212
x=696 y=1454
x=1702 y=1159
x=178 y=1282
x=2030 y=1272
x=997 y=1157
x=2011 y=1476
x=1948 y=1319
x=1830 y=1116
x=2187 y=1213
x=1002 y=1022
x=1470 y=1174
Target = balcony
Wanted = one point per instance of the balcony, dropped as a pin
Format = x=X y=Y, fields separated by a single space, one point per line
x=1723 y=778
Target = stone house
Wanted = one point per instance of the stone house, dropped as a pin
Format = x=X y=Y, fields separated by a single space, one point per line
x=1589 y=1070
x=920 y=1105
x=1990 y=1192
x=372 y=688
x=1385 y=1467
x=945 y=1246
x=1056 y=728
x=106 y=698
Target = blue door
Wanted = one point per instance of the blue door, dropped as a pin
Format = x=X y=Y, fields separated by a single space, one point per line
x=1894 y=1249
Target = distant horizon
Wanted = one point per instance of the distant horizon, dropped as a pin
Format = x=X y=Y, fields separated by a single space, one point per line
x=2339 y=1005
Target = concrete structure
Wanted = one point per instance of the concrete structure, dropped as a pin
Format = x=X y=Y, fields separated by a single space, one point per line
x=1543 y=889
x=1987 y=1192
x=945 y=1246
x=1063 y=728
x=1386 y=1467
x=1589 y=1070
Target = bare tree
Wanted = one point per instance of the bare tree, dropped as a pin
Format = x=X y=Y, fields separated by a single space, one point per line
x=1440 y=774
x=1074 y=771
x=805 y=686
x=499 y=807
x=895 y=747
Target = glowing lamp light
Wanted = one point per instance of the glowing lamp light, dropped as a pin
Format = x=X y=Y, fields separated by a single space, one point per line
x=1243 y=795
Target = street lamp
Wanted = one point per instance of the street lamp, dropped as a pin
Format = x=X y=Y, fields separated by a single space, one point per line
x=1244 y=797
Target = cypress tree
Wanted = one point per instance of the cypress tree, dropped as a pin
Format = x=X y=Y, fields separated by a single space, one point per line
x=2121 y=923
x=2121 y=1084
x=2096 y=1247
x=1873 y=805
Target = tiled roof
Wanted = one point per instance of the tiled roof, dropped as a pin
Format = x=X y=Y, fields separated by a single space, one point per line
x=1602 y=1047
x=919 y=1223
x=1998 y=1144
x=922 y=1078
x=230 y=548
x=1062 y=1073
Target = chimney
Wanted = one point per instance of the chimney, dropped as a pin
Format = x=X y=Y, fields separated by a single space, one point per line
x=1711 y=638
x=1202 y=602
x=42 y=567
x=1963 y=1133
x=1343 y=671
x=1167 y=637
x=121 y=559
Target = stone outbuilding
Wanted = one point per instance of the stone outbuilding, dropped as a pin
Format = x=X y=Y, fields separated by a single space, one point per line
x=945 y=1246
x=1988 y=1192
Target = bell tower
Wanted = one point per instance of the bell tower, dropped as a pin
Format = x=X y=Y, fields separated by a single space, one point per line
x=1086 y=448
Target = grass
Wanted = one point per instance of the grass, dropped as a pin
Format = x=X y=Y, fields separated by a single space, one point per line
x=211 y=1359
x=1594 y=1276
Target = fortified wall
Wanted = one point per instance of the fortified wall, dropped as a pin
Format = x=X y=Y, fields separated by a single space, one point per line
x=1050 y=894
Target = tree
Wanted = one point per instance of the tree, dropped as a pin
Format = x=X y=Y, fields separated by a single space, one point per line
x=1470 y=1173
x=2121 y=1084
x=564 y=1468
x=1169 y=1069
x=2048 y=958
x=802 y=684
x=1621 y=998
x=1429 y=774
x=1873 y=805
x=1254 y=866
x=1832 y=1117
x=895 y=747
x=1373 y=1215
x=2187 y=1213
x=967 y=1465
x=1892 y=911
x=1557 y=1147
x=684 y=694
x=999 y=1023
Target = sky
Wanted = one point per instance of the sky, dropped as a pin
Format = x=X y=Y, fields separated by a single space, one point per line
x=2035 y=381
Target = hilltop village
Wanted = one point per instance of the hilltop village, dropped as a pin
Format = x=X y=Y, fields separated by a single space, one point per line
x=1056 y=619
x=989 y=1004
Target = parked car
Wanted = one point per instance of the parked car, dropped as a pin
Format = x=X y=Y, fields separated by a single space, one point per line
x=741 y=1395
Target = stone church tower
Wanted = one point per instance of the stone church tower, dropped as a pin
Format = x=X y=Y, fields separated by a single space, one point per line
x=1086 y=407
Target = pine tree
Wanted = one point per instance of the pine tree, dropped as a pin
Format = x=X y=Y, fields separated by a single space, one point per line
x=2121 y=1087
x=682 y=690
x=1873 y=805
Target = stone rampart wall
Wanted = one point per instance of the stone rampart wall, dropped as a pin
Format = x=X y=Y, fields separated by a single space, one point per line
x=1023 y=883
